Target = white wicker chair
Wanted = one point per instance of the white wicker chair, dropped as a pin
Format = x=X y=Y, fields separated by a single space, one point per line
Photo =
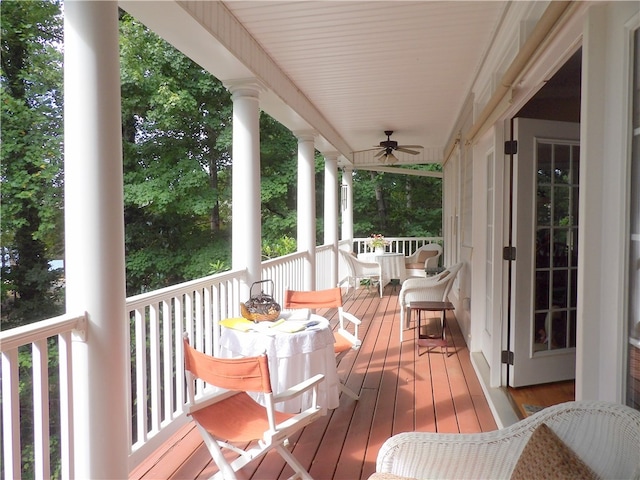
x=434 y=288
x=359 y=270
x=427 y=256
x=606 y=436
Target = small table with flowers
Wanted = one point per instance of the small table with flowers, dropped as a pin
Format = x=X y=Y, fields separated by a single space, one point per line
x=391 y=265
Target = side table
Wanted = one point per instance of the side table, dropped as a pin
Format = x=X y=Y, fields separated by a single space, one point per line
x=424 y=339
x=431 y=271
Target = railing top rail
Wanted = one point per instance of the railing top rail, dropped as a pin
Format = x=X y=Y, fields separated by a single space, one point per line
x=173 y=290
x=403 y=239
x=283 y=259
x=33 y=332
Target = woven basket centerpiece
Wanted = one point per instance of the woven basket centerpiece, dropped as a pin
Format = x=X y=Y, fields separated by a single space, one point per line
x=260 y=307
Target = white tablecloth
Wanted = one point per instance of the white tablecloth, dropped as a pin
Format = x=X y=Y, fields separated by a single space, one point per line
x=391 y=265
x=293 y=358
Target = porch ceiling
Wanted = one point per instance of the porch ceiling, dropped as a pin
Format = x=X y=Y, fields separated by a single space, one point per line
x=354 y=69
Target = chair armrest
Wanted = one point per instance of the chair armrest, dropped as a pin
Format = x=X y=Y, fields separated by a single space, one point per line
x=424 y=292
x=371 y=268
x=352 y=318
x=353 y=339
x=286 y=428
x=450 y=456
x=413 y=258
x=432 y=262
x=298 y=389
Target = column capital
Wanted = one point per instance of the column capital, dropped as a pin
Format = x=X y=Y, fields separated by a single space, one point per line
x=245 y=87
x=305 y=135
x=331 y=156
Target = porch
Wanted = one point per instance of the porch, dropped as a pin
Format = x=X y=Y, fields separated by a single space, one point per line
x=399 y=391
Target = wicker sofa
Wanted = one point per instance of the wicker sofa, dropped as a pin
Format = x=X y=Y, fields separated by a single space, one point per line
x=605 y=436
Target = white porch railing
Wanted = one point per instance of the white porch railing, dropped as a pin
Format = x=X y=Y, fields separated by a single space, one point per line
x=157 y=320
x=39 y=344
x=397 y=244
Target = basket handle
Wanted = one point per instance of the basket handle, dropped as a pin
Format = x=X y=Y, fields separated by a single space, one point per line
x=262 y=281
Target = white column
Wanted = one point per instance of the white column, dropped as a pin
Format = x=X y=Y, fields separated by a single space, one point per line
x=94 y=238
x=306 y=233
x=246 y=228
x=331 y=210
x=347 y=204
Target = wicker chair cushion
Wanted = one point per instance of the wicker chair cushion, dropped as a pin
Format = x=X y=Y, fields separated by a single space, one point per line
x=425 y=254
x=416 y=266
x=545 y=456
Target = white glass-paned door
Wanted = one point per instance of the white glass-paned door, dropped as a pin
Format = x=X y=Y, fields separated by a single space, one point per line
x=545 y=227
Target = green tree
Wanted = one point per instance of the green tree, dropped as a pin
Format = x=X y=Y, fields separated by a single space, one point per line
x=31 y=167
x=176 y=133
x=278 y=171
x=31 y=198
x=397 y=205
x=177 y=167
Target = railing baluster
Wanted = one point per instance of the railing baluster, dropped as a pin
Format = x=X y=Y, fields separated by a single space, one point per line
x=141 y=376
x=154 y=367
x=180 y=328
x=208 y=320
x=11 y=415
x=66 y=406
x=40 y=369
x=167 y=361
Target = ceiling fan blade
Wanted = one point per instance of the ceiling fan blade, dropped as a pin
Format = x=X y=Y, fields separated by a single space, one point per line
x=406 y=150
x=410 y=146
x=381 y=152
x=367 y=150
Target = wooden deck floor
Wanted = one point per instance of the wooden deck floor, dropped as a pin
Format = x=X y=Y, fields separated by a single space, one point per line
x=400 y=391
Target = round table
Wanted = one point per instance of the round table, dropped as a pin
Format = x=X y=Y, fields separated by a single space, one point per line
x=391 y=265
x=293 y=357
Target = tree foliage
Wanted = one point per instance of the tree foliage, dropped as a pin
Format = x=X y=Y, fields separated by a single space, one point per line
x=177 y=167
x=397 y=205
x=31 y=166
x=278 y=170
x=32 y=186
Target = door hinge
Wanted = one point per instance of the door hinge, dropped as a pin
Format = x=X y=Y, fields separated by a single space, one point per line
x=511 y=147
x=506 y=356
x=509 y=253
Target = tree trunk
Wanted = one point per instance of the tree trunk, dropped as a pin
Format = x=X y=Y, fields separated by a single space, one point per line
x=213 y=182
x=380 y=202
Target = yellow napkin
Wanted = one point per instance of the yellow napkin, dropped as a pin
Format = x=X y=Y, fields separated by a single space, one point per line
x=239 y=323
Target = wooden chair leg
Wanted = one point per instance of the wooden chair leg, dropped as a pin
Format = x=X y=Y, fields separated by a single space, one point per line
x=349 y=392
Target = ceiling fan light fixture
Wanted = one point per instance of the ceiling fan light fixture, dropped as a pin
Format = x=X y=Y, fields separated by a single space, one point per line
x=391 y=158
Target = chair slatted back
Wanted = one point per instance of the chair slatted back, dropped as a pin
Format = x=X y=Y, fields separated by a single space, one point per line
x=329 y=298
x=243 y=374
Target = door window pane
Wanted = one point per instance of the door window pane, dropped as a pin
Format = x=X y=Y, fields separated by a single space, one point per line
x=562 y=164
x=556 y=245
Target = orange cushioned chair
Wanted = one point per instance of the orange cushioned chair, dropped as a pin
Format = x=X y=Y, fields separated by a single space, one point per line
x=228 y=415
x=329 y=298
